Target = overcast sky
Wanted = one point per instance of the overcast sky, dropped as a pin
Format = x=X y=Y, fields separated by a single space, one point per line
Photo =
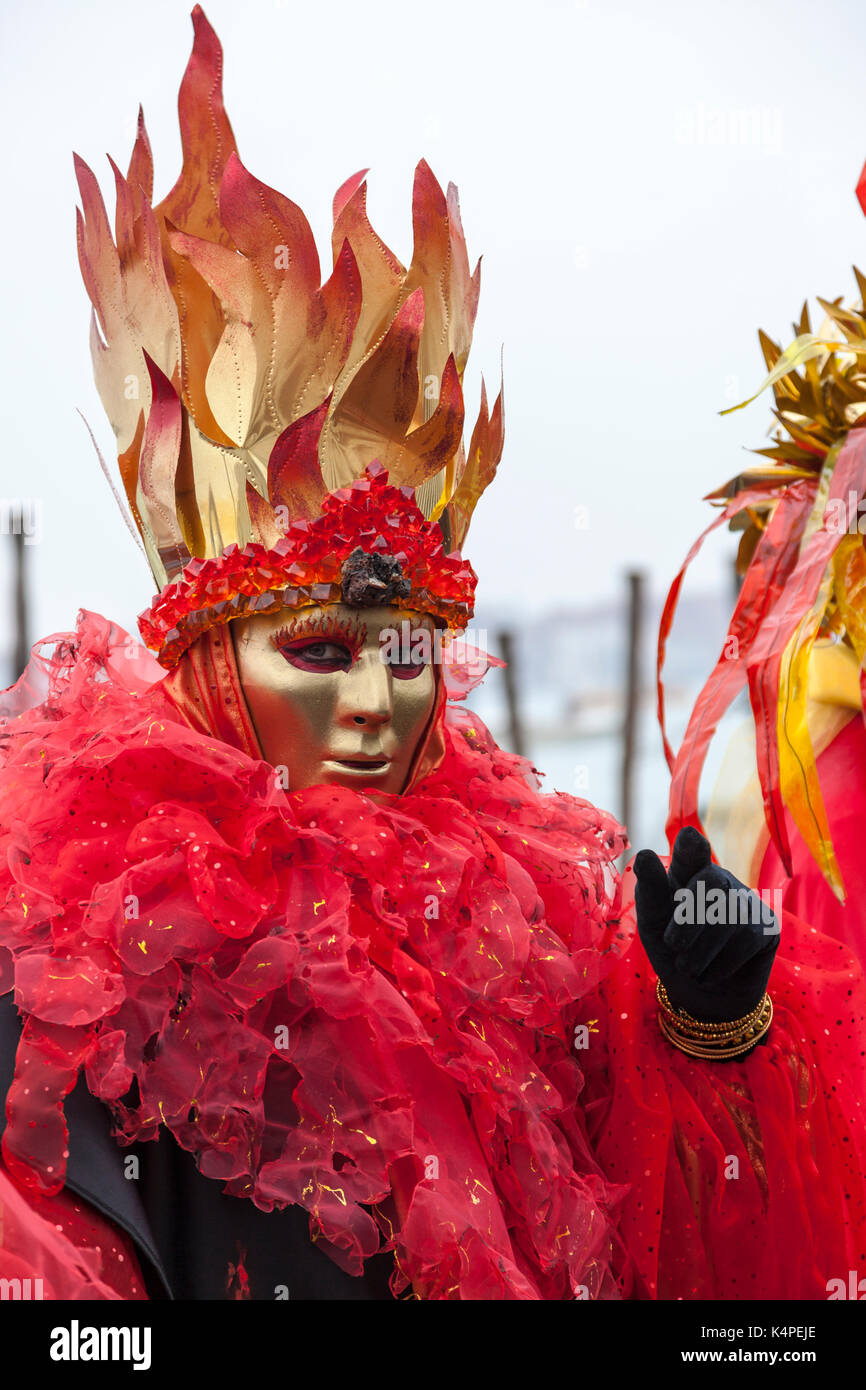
x=647 y=182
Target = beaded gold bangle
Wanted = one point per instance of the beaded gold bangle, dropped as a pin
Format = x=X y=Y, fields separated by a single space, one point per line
x=713 y=1041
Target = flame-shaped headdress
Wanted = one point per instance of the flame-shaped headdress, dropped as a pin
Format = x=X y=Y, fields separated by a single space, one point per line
x=268 y=426
x=803 y=560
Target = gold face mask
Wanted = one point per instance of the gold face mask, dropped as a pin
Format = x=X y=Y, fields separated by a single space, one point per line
x=325 y=705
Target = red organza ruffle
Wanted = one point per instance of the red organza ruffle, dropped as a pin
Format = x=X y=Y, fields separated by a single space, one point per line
x=349 y=1003
x=60 y=1248
x=367 y=1005
x=747 y=1179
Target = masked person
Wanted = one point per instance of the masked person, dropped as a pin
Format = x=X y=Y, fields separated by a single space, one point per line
x=787 y=812
x=315 y=994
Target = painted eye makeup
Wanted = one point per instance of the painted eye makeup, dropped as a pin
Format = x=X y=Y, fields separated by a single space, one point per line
x=320 y=644
x=407 y=670
x=408 y=652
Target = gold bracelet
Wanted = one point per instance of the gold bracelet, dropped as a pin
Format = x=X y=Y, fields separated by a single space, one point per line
x=705 y=1029
x=686 y=1034
x=705 y=1025
x=716 y=1052
x=713 y=1041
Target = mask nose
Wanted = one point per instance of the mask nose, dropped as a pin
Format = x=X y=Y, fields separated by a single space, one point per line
x=366 y=697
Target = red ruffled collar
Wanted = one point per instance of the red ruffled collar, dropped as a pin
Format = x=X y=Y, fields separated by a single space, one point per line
x=358 y=1005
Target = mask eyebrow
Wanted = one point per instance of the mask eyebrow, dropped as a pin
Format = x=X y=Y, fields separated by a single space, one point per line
x=347 y=630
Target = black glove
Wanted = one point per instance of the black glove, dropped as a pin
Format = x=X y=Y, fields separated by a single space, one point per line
x=712 y=952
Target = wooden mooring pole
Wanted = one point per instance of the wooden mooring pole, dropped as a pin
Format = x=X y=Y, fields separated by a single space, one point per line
x=515 y=723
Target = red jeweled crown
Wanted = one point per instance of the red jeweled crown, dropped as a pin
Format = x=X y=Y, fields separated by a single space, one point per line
x=307 y=567
x=250 y=400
